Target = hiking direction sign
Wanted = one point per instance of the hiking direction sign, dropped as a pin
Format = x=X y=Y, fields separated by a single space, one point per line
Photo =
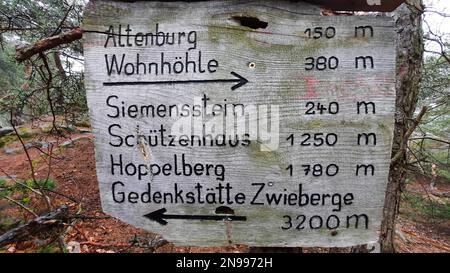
x=225 y=122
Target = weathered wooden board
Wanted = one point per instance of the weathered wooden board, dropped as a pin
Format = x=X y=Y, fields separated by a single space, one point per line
x=310 y=165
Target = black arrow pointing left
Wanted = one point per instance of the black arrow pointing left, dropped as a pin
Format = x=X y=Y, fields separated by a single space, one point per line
x=160 y=216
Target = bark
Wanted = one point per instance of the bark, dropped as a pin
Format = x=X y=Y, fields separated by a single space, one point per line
x=59 y=66
x=26 y=52
x=52 y=221
x=409 y=63
x=63 y=77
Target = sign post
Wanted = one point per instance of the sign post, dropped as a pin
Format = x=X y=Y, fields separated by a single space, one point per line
x=261 y=123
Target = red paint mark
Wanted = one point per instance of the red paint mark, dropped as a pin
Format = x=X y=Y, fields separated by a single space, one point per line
x=310 y=88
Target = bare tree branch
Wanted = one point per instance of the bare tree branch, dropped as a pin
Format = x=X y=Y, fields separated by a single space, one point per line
x=26 y=52
x=408 y=133
x=54 y=219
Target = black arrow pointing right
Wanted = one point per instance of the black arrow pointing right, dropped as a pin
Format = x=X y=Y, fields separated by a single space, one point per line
x=240 y=81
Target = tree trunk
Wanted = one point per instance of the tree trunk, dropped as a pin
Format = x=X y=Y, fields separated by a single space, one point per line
x=409 y=63
x=60 y=90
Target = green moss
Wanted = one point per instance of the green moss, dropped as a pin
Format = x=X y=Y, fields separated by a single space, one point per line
x=317 y=124
x=264 y=214
x=46 y=128
x=103 y=15
x=426 y=207
x=269 y=157
x=444 y=174
x=6 y=223
x=51 y=248
x=83 y=123
x=5 y=140
x=42 y=183
x=385 y=130
x=111 y=8
x=239 y=37
x=25 y=132
x=350 y=42
x=68 y=129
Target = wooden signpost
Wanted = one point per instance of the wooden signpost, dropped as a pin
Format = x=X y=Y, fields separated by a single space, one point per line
x=261 y=123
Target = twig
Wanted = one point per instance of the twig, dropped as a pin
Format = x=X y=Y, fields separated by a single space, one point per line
x=49 y=81
x=62 y=21
x=20 y=183
x=20 y=205
x=431 y=138
x=63 y=195
x=30 y=162
x=86 y=217
x=104 y=245
x=408 y=133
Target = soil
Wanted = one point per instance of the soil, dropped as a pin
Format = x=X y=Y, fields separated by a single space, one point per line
x=73 y=169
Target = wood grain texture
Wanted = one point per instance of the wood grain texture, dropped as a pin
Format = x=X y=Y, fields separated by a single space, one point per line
x=273 y=60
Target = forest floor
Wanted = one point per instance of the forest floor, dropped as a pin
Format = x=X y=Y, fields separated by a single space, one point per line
x=423 y=225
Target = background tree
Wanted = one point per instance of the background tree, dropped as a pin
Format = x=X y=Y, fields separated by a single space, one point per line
x=51 y=84
x=409 y=67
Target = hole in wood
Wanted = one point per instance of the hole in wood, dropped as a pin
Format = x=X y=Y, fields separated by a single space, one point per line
x=251 y=22
x=224 y=210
